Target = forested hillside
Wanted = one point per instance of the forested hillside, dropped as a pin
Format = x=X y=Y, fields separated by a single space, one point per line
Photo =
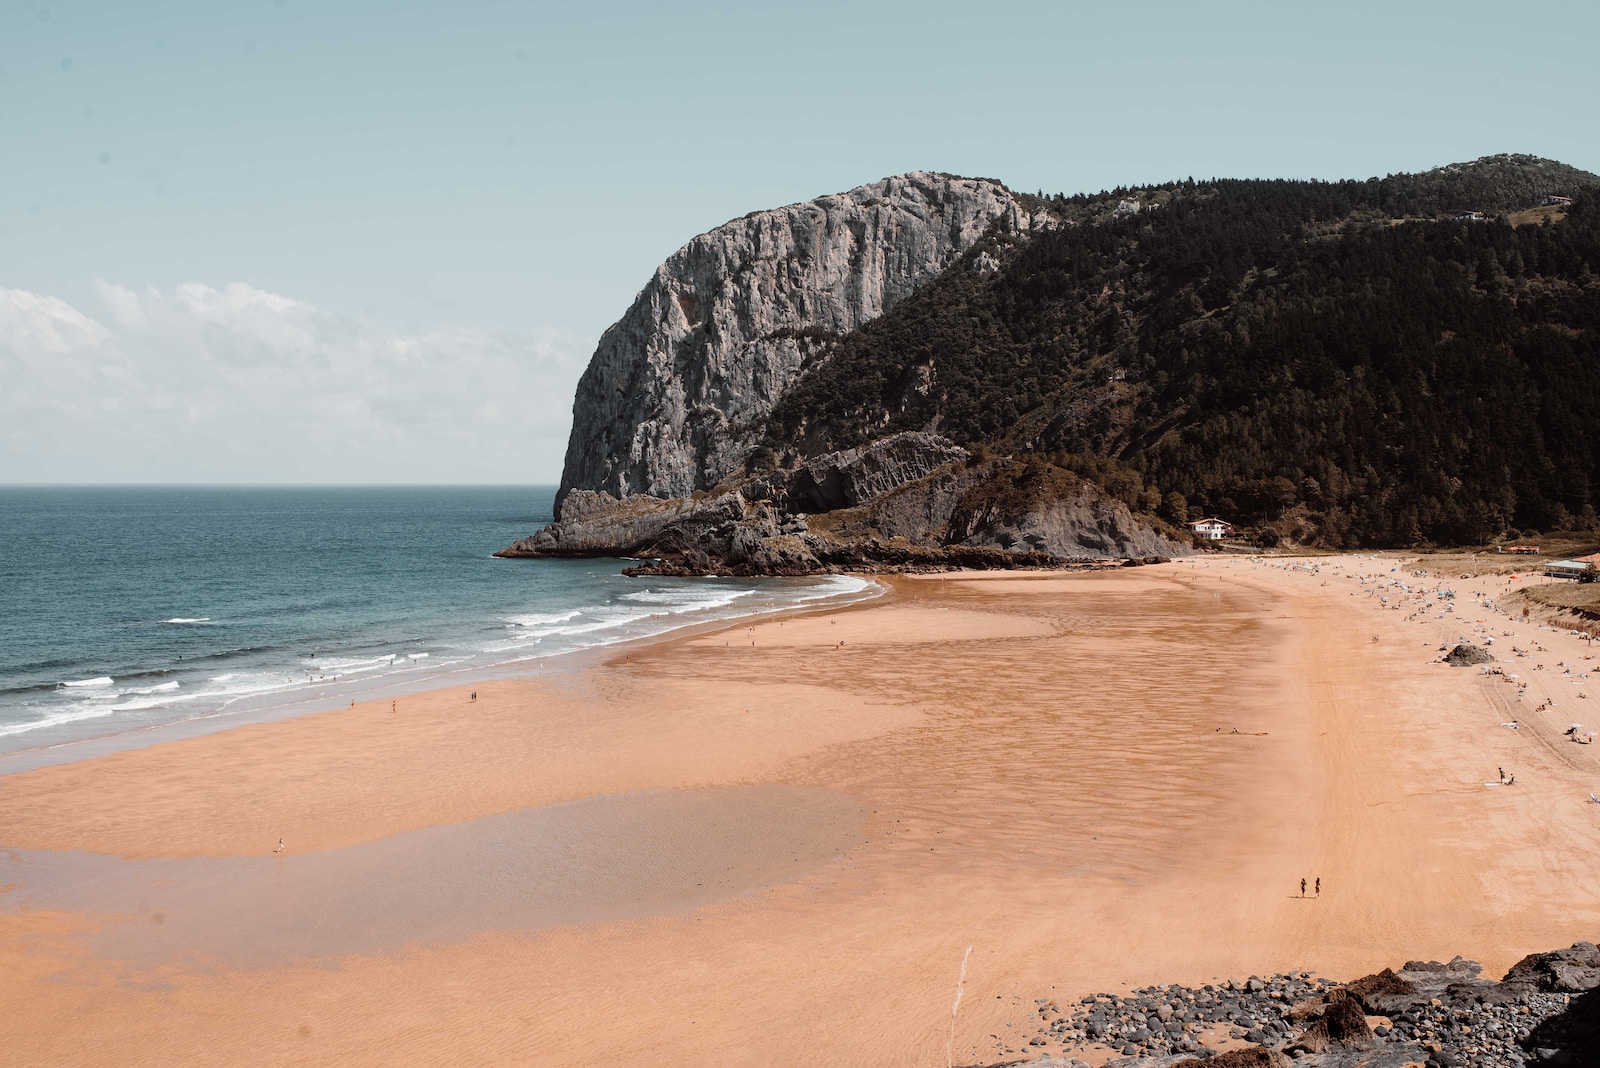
x=1346 y=363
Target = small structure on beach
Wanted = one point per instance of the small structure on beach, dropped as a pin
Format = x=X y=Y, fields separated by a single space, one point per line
x=1568 y=569
x=1518 y=550
x=1211 y=529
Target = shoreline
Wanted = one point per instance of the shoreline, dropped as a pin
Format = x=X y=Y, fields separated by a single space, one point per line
x=356 y=694
x=1045 y=769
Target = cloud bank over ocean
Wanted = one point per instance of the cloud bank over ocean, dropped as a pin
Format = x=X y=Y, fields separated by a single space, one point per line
x=240 y=384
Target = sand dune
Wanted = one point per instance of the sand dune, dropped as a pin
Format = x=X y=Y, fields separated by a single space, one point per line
x=1032 y=766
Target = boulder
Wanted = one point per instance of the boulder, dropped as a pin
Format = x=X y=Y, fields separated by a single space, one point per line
x=1341 y=1023
x=1562 y=971
x=1466 y=655
x=1383 y=993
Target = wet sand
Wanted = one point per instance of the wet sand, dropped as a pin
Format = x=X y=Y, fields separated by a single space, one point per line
x=1030 y=765
x=600 y=859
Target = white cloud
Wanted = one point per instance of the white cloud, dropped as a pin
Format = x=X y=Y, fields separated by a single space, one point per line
x=239 y=384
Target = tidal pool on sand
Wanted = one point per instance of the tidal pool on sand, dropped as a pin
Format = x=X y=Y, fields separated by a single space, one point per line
x=624 y=856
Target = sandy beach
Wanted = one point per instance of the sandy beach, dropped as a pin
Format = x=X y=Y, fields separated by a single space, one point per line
x=773 y=844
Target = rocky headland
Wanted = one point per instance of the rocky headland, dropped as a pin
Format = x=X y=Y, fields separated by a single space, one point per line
x=672 y=400
x=910 y=502
x=1545 y=1011
x=666 y=462
x=931 y=371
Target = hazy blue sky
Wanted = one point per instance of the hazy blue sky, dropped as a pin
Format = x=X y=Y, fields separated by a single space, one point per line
x=335 y=241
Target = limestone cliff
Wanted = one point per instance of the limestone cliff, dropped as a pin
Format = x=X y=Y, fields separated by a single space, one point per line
x=730 y=320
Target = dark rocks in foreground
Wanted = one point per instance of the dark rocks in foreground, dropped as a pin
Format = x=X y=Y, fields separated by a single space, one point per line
x=1546 y=1011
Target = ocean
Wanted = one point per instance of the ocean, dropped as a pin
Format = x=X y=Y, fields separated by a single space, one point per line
x=125 y=608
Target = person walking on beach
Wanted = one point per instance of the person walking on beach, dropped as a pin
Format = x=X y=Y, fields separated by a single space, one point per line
x=1302 y=888
x=1319 y=886
x=394 y=706
x=282 y=849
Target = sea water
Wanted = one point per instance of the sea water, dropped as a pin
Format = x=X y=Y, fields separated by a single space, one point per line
x=126 y=608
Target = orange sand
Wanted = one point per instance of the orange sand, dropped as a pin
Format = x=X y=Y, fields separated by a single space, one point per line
x=1038 y=762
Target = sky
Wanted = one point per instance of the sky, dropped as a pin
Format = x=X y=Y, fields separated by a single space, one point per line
x=346 y=241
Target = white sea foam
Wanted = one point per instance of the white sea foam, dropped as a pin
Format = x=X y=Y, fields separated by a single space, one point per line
x=139 y=704
x=685 y=599
x=164 y=687
x=837 y=586
x=534 y=635
x=245 y=684
x=643 y=612
x=589 y=627
x=582 y=621
x=539 y=619
x=55 y=719
x=352 y=666
x=188 y=619
x=103 y=680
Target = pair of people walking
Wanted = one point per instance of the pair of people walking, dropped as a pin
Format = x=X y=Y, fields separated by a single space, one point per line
x=1303 y=887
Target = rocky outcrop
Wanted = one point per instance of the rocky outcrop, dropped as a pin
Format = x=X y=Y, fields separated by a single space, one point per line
x=661 y=464
x=727 y=526
x=1467 y=655
x=1008 y=506
x=598 y=524
x=853 y=477
x=1085 y=524
x=1563 y=971
x=1337 y=1020
x=908 y=502
x=1545 y=1011
x=669 y=401
x=1382 y=993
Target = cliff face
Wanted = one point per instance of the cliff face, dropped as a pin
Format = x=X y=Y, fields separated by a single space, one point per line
x=1306 y=351
x=669 y=401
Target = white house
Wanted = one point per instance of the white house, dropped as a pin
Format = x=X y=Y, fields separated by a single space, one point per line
x=1211 y=529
